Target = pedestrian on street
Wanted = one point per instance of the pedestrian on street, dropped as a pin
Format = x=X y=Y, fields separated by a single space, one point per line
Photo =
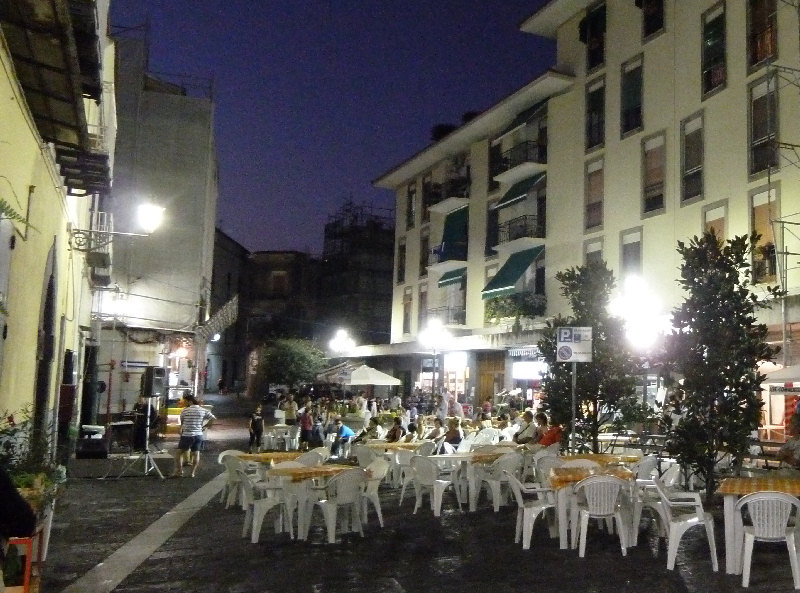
x=256 y=428
x=194 y=419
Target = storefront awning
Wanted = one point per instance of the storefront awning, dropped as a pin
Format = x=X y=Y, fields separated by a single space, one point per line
x=518 y=191
x=452 y=277
x=504 y=282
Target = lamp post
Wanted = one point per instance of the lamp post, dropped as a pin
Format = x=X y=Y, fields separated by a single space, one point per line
x=435 y=337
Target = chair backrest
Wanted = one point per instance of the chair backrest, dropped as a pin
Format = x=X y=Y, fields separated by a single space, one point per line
x=425 y=470
x=324 y=452
x=486 y=436
x=377 y=470
x=769 y=513
x=402 y=457
x=555 y=448
x=510 y=462
x=466 y=443
x=347 y=486
x=645 y=467
x=310 y=458
x=247 y=488
x=426 y=448
x=233 y=463
x=294 y=431
x=363 y=454
x=601 y=494
x=672 y=475
x=580 y=463
x=543 y=467
x=516 y=487
x=227 y=452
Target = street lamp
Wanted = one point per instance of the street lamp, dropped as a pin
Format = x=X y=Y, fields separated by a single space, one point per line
x=93 y=240
x=642 y=312
x=435 y=337
x=341 y=342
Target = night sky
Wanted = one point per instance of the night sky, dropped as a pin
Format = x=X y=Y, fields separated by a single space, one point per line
x=315 y=99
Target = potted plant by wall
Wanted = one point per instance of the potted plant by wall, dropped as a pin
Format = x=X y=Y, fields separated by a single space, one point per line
x=26 y=454
x=517 y=305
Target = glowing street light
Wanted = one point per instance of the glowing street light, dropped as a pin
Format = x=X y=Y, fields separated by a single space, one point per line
x=436 y=337
x=341 y=342
x=642 y=312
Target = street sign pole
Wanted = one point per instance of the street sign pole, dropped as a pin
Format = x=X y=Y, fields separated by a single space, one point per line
x=574 y=344
x=574 y=406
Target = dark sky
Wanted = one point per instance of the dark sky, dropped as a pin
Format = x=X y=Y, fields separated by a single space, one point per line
x=316 y=98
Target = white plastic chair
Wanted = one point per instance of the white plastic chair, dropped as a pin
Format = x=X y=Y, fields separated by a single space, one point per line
x=770 y=514
x=275 y=491
x=344 y=490
x=402 y=474
x=425 y=449
x=262 y=497
x=376 y=472
x=363 y=454
x=324 y=452
x=682 y=511
x=598 y=497
x=310 y=459
x=427 y=478
x=291 y=441
x=528 y=509
x=233 y=486
x=496 y=475
x=486 y=436
x=465 y=446
x=543 y=466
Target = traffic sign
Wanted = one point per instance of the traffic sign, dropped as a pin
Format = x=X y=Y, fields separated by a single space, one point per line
x=574 y=344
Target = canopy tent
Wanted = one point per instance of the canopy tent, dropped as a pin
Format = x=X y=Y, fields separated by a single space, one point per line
x=366 y=375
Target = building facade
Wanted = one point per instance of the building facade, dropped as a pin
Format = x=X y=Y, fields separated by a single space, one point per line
x=660 y=119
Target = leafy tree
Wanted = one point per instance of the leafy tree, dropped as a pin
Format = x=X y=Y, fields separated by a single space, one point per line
x=715 y=346
x=289 y=361
x=606 y=386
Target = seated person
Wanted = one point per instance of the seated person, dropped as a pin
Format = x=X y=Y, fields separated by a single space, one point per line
x=541 y=426
x=452 y=437
x=437 y=431
x=485 y=420
x=552 y=436
x=396 y=432
x=790 y=450
x=343 y=434
x=528 y=430
x=373 y=431
x=412 y=435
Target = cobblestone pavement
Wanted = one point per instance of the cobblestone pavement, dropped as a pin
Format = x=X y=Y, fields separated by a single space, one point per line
x=460 y=552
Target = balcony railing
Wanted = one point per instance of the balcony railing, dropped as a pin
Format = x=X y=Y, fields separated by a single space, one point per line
x=521 y=227
x=456 y=187
x=525 y=152
x=453 y=315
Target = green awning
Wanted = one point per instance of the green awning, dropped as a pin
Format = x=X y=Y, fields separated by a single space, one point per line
x=518 y=191
x=452 y=277
x=522 y=118
x=504 y=282
x=454 y=235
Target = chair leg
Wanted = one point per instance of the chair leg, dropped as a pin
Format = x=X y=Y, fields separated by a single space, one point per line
x=712 y=544
x=748 y=556
x=622 y=532
x=329 y=511
x=529 y=518
x=583 y=527
x=518 y=528
x=791 y=545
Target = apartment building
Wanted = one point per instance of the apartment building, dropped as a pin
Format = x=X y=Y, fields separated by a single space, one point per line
x=659 y=119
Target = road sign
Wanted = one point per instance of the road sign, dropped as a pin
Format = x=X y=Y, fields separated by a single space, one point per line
x=574 y=344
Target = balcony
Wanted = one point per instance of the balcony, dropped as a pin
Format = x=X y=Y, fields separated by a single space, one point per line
x=523 y=160
x=446 y=257
x=520 y=233
x=452 y=194
x=453 y=315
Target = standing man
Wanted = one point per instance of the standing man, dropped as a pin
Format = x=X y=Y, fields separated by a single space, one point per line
x=290 y=407
x=194 y=419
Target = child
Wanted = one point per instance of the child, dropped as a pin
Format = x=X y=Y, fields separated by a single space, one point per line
x=256 y=429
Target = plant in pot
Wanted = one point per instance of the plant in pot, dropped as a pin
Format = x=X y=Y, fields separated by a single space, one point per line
x=25 y=453
x=517 y=305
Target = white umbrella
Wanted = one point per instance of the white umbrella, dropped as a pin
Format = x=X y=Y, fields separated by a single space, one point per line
x=366 y=375
x=784 y=375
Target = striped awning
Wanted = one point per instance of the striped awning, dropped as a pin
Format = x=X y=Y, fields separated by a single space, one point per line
x=452 y=277
x=505 y=281
x=518 y=191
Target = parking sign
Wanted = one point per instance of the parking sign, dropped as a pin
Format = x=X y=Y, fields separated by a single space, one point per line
x=574 y=344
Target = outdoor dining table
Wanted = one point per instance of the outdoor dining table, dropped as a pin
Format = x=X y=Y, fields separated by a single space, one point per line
x=604 y=458
x=384 y=446
x=267 y=459
x=301 y=476
x=468 y=460
x=563 y=478
x=733 y=488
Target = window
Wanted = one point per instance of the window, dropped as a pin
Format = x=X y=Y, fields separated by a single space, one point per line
x=764 y=257
x=653 y=164
x=407 y=302
x=763 y=125
x=593 y=252
x=592 y=32
x=422 y=311
x=692 y=166
x=431 y=194
x=594 y=194
x=714 y=73
x=401 y=263
x=652 y=16
x=631 y=263
x=595 y=114
x=424 y=250
x=714 y=219
x=492 y=229
x=411 y=205
x=631 y=96
x=762 y=31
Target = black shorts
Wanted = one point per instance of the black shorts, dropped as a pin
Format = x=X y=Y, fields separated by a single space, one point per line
x=190 y=443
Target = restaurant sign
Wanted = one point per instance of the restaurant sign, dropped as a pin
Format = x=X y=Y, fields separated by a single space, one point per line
x=574 y=344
